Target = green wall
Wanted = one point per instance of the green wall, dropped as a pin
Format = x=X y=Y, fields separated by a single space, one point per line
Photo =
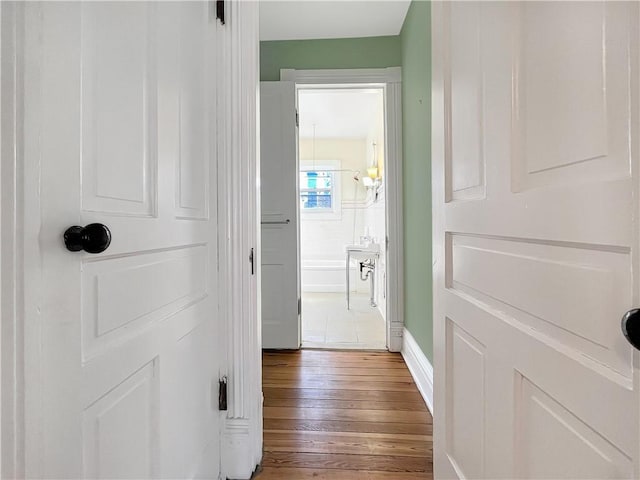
x=369 y=52
x=412 y=50
x=416 y=156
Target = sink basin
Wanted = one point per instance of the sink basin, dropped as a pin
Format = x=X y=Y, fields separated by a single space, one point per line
x=363 y=252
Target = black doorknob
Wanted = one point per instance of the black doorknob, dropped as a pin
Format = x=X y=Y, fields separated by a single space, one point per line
x=94 y=238
x=631 y=327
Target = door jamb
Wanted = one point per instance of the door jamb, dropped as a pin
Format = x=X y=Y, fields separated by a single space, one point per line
x=12 y=461
x=391 y=78
x=238 y=232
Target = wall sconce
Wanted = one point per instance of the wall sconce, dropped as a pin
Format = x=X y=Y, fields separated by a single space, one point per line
x=372 y=181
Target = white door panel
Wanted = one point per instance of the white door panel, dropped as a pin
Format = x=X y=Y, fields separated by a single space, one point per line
x=535 y=131
x=121 y=96
x=279 y=204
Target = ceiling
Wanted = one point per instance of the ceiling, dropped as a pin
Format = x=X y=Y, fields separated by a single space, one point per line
x=336 y=113
x=309 y=19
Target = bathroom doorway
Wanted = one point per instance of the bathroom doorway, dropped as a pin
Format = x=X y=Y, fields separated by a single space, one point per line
x=342 y=216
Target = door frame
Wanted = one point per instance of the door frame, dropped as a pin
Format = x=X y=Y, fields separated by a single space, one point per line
x=12 y=357
x=391 y=80
x=240 y=342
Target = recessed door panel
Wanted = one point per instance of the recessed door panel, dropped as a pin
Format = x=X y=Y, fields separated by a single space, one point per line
x=119 y=117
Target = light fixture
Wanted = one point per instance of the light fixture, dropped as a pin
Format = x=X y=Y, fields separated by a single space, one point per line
x=372 y=170
x=372 y=181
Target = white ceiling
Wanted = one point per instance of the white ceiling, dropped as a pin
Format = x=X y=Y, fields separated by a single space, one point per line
x=308 y=19
x=338 y=113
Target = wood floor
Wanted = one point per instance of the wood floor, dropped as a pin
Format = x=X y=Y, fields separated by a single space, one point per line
x=343 y=415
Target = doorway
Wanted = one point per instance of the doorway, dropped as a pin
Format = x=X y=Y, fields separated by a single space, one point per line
x=342 y=210
x=281 y=261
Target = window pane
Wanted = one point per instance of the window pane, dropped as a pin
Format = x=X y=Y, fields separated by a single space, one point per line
x=316 y=199
x=316 y=180
x=316 y=190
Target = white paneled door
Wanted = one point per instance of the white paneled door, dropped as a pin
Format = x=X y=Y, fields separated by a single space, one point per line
x=280 y=256
x=119 y=130
x=536 y=188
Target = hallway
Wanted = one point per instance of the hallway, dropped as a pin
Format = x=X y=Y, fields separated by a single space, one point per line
x=343 y=415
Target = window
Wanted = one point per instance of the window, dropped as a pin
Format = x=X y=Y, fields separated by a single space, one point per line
x=320 y=190
x=316 y=190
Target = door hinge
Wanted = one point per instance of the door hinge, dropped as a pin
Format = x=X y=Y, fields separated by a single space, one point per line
x=251 y=261
x=299 y=306
x=222 y=394
x=220 y=11
x=297 y=119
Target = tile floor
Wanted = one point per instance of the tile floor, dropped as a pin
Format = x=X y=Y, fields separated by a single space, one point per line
x=326 y=322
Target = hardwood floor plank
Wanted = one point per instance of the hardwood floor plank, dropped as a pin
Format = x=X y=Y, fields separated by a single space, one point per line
x=277 y=371
x=381 y=463
x=283 y=363
x=344 y=415
x=342 y=404
x=324 y=377
x=337 y=394
x=285 y=473
x=382 y=436
x=338 y=426
x=353 y=444
x=391 y=386
x=333 y=359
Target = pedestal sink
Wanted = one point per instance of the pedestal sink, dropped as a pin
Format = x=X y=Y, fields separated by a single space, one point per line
x=363 y=252
x=369 y=252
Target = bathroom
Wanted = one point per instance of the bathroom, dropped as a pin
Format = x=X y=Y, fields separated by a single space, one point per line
x=341 y=149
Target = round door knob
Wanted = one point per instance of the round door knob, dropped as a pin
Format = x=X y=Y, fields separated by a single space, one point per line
x=631 y=327
x=94 y=238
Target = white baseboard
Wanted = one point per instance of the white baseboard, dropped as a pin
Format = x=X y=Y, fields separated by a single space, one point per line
x=331 y=288
x=236 y=460
x=319 y=288
x=419 y=366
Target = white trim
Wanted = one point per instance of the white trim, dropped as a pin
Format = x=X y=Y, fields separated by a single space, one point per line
x=12 y=356
x=2 y=417
x=238 y=171
x=357 y=204
x=2 y=421
x=319 y=288
x=343 y=76
x=325 y=265
x=420 y=368
x=394 y=220
x=390 y=79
